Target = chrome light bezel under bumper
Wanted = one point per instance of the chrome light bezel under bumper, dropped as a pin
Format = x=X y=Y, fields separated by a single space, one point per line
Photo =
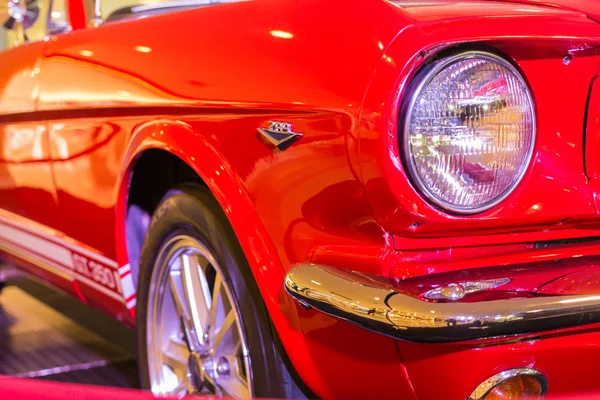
x=377 y=304
x=485 y=387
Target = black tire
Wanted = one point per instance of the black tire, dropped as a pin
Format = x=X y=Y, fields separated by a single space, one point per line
x=191 y=209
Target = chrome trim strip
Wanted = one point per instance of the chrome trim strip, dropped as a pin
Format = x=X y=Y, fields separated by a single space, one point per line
x=376 y=303
x=486 y=386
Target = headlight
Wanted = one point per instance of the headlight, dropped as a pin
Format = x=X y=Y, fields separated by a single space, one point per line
x=469 y=131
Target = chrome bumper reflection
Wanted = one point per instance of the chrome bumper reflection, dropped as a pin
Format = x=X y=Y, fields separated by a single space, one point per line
x=376 y=304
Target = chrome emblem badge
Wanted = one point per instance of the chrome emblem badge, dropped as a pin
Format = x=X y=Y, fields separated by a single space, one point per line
x=280 y=135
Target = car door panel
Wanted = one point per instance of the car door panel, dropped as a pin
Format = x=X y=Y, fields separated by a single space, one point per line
x=28 y=212
x=26 y=182
x=82 y=152
x=86 y=147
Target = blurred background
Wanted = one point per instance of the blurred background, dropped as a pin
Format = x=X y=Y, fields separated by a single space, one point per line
x=51 y=336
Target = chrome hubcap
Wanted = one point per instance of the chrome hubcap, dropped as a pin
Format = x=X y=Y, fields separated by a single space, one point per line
x=195 y=341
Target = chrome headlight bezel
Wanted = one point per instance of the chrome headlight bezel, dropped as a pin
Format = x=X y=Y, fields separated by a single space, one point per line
x=415 y=88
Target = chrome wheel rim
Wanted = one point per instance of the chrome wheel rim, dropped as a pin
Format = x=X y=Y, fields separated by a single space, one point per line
x=195 y=341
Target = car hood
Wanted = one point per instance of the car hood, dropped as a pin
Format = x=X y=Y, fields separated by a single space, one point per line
x=591 y=8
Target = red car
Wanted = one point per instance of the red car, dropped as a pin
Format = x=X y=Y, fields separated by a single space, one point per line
x=300 y=198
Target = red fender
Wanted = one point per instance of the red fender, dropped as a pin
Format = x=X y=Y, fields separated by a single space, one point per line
x=179 y=139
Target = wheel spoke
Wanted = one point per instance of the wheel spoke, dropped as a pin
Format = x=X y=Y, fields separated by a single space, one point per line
x=215 y=302
x=235 y=386
x=176 y=286
x=182 y=389
x=197 y=293
x=222 y=331
x=195 y=336
x=176 y=356
x=181 y=304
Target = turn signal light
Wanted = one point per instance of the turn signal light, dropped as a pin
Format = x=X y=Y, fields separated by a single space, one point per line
x=513 y=384
x=519 y=387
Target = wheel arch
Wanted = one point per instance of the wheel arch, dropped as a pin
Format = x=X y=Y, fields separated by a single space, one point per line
x=178 y=140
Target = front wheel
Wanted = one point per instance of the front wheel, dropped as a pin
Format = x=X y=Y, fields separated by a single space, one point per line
x=202 y=325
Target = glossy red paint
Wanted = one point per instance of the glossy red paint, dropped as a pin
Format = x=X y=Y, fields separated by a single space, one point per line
x=551 y=355
x=592 y=135
x=80 y=111
x=537 y=203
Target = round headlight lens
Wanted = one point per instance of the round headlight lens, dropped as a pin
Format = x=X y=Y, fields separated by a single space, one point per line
x=469 y=131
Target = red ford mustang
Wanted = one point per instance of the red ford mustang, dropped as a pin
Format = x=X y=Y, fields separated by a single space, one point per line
x=302 y=198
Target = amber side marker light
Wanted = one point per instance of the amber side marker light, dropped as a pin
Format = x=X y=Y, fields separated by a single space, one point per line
x=512 y=384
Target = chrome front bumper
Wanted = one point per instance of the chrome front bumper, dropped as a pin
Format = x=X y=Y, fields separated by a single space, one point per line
x=377 y=304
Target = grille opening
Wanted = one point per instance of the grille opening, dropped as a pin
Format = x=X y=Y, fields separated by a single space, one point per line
x=562 y=242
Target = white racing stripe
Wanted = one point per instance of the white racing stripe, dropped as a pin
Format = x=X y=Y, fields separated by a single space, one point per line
x=128 y=286
x=124 y=269
x=63 y=273
x=56 y=241
x=59 y=254
x=131 y=303
x=37 y=245
x=101 y=288
x=106 y=261
x=69 y=272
